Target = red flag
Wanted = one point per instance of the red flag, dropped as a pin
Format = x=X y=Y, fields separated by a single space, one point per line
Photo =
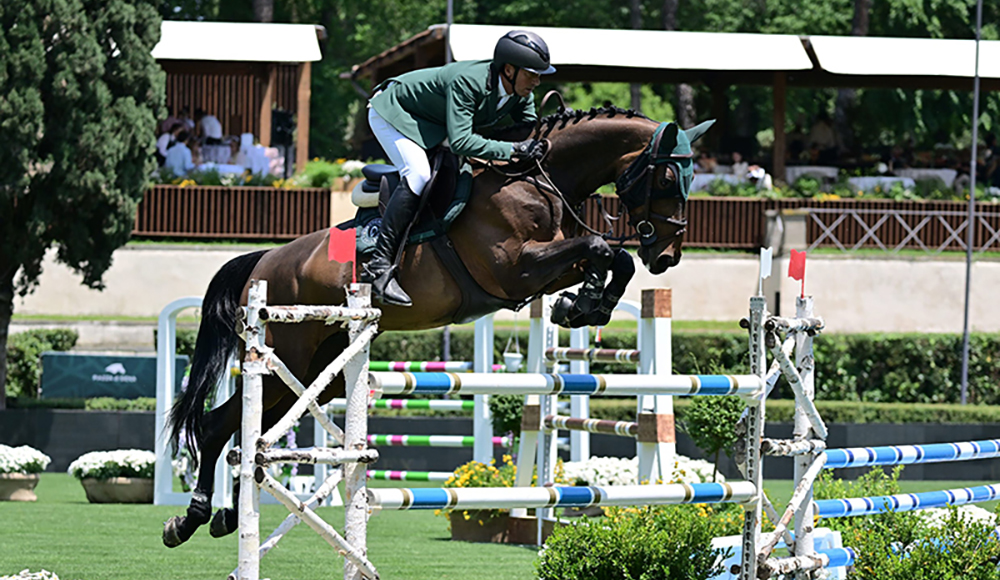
x=797 y=268
x=342 y=244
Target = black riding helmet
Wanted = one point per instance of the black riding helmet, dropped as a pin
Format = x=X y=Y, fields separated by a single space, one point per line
x=524 y=50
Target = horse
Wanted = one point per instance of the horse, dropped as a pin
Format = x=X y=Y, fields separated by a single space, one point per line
x=519 y=237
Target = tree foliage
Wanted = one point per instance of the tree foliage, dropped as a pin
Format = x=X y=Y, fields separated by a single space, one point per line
x=358 y=30
x=79 y=97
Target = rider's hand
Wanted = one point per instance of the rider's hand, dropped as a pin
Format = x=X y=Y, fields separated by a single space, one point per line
x=531 y=149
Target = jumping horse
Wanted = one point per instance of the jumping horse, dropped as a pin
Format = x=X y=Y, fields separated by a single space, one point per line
x=519 y=237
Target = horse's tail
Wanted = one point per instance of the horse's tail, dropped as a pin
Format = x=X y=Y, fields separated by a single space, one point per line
x=217 y=340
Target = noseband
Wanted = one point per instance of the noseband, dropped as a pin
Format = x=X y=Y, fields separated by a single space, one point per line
x=635 y=188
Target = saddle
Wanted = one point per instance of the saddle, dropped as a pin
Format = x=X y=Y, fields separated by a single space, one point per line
x=442 y=200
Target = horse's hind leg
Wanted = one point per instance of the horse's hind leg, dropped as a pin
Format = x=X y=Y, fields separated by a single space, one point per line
x=218 y=426
x=226 y=520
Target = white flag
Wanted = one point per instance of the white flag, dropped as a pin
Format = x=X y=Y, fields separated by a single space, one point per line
x=765 y=262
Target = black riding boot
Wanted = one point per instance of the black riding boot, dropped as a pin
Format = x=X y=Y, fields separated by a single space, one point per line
x=381 y=269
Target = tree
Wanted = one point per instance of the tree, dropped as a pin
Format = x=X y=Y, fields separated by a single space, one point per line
x=80 y=94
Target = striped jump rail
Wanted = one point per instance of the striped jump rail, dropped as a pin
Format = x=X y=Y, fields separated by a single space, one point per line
x=432 y=441
x=904 y=502
x=391 y=475
x=607 y=427
x=562 y=384
x=427 y=366
x=422 y=404
x=551 y=497
x=909 y=454
x=592 y=355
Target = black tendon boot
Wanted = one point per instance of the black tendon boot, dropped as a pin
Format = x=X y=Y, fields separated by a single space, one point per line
x=381 y=268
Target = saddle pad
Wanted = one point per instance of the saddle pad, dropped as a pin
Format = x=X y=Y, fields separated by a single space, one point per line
x=430 y=225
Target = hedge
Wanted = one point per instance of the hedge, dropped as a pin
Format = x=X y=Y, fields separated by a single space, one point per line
x=871 y=368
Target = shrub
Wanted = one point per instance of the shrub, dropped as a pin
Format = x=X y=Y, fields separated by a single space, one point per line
x=709 y=422
x=647 y=543
x=903 y=546
x=24 y=355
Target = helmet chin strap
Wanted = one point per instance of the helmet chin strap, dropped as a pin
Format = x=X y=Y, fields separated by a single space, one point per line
x=511 y=79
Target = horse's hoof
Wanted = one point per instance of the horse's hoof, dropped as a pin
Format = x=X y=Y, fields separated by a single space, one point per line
x=223 y=523
x=561 y=309
x=171 y=537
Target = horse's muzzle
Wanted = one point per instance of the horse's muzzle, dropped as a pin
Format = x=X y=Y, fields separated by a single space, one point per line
x=659 y=262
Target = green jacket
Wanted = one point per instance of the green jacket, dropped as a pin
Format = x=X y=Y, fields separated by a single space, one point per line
x=451 y=101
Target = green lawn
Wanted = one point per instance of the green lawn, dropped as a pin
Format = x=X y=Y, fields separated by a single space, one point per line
x=81 y=541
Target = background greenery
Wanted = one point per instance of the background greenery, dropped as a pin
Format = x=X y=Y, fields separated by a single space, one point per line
x=359 y=29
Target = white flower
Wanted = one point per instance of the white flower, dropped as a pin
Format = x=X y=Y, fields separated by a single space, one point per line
x=352 y=166
x=938 y=517
x=108 y=464
x=602 y=471
x=27 y=575
x=22 y=459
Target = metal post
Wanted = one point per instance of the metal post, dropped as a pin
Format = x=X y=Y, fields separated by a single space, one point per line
x=971 y=227
x=755 y=432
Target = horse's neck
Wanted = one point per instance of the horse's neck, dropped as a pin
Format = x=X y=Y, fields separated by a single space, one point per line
x=593 y=153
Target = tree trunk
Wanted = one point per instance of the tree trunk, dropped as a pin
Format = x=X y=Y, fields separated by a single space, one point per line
x=847 y=98
x=6 y=311
x=715 y=466
x=635 y=89
x=263 y=10
x=686 y=113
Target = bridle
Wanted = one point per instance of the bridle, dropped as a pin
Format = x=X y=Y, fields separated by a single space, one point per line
x=634 y=187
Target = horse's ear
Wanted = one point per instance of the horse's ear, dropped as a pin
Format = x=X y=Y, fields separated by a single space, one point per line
x=670 y=134
x=695 y=133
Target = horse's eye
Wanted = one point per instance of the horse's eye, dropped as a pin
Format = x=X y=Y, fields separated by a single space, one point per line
x=666 y=177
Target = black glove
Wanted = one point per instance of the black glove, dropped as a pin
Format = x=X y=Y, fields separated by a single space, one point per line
x=531 y=149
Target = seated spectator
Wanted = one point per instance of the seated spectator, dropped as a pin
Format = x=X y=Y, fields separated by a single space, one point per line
x=165 y=140
x=706 y=163
x=167 y=125
x=740 y=167
x=179 y=159
x=185 y=117
x=824 y=138
x=898 y=159
x=759 y=177
x=209 y=128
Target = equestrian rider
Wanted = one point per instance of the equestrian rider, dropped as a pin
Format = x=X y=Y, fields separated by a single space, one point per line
x=420 y=109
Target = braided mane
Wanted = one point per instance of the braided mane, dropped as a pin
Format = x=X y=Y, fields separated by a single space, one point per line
x=569 y=116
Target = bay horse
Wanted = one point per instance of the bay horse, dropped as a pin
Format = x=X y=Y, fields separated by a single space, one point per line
x=519 y=237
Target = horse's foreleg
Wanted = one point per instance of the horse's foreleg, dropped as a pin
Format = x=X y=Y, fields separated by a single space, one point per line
x=622 y=270
x=557 y=258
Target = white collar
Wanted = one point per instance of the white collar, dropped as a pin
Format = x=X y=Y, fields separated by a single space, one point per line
x=503 y=91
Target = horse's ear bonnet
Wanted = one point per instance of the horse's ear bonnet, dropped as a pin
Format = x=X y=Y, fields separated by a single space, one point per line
x=679 y=144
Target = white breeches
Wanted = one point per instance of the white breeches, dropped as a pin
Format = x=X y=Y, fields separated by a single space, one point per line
x=408 y=157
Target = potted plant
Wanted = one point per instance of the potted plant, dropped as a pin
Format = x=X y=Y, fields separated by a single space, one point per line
x=121 y=476
x=488 y=525
x=19 y=469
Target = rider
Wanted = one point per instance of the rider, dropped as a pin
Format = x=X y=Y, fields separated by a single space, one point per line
x=420 y=109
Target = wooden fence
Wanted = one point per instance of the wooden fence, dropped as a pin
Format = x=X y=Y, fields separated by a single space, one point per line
x=267 y=213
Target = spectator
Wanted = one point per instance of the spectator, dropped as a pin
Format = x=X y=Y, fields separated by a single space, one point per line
x=179 y=156
x=167 y=126
x=898 y=159
x=740 y=167
x=706 y=163
x=185 y=117
x=824 y=138
x=209 y=128
x=759 y=177
x=165 y=140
